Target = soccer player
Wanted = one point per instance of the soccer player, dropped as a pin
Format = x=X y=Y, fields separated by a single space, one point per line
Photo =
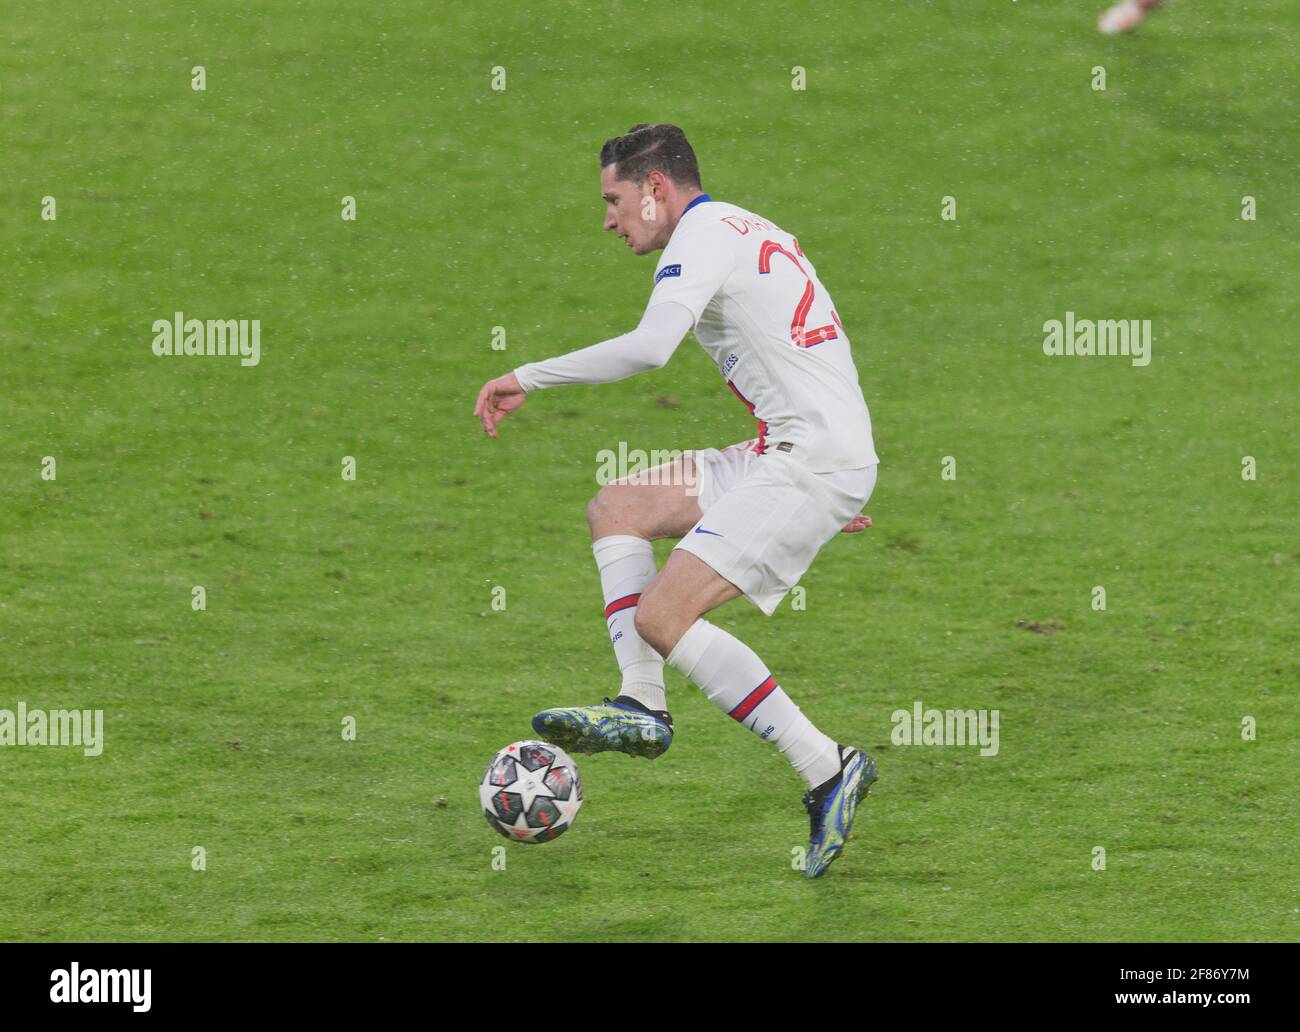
x=751 y=516
x=1125 y=15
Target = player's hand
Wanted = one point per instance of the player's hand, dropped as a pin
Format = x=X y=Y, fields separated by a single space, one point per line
x=498 y=399
x=859 y=522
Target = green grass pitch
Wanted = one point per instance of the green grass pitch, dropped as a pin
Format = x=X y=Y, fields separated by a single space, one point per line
x=372 y=599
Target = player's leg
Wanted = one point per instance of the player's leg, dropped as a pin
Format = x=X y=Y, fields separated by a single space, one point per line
x=625 y=517
x=727 y=670
x=758 y=539
x=735 y=680
x=655 y=503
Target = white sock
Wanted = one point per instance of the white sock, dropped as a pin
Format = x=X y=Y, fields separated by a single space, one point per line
x=626 y=565
x=736 y=681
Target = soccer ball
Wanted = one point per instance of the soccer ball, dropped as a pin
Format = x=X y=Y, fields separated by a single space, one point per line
x=531 y=792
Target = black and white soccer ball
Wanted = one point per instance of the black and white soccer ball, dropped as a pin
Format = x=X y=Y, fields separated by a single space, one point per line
x=531 y=792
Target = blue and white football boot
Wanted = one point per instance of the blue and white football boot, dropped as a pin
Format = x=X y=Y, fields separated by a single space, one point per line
x=619 y=725
x=831 y=807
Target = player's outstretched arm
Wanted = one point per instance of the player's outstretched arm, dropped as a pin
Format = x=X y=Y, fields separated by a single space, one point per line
x=498 y=399
x=649 y=346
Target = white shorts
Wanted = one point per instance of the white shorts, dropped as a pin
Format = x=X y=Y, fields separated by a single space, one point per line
x=766 y=517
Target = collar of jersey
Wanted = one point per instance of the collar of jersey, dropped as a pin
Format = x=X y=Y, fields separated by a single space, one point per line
x=699 y=200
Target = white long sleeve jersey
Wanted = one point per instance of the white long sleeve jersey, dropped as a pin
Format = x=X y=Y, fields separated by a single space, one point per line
x=756 y=305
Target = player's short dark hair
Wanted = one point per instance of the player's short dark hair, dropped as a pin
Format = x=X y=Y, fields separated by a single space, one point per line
x=649 y=148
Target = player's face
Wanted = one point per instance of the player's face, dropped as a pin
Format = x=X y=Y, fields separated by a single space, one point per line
x=625 y=211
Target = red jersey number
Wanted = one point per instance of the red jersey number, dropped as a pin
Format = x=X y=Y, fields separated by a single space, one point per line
x=802 y=338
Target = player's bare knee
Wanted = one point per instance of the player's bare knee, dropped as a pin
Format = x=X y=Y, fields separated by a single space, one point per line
x=650 y=624
x=660 y=622
x=608 y=512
